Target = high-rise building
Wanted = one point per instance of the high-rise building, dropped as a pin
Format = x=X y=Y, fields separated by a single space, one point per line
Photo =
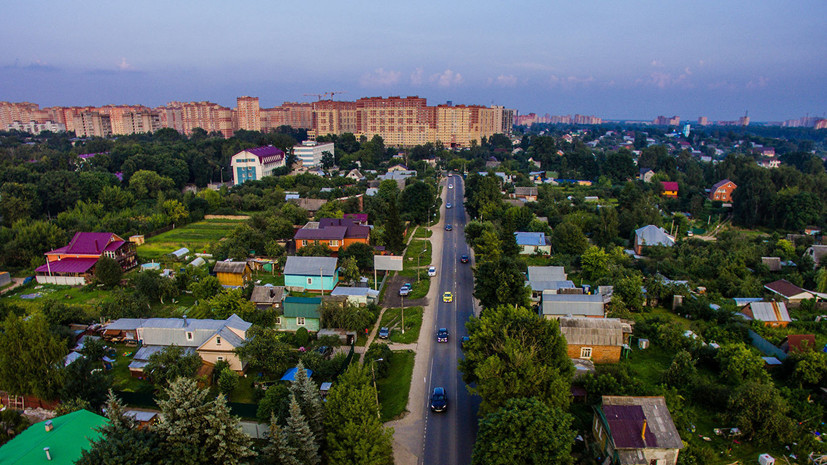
x=137 y=123
x=208 y=116
x=667 y=121
x=248 y=113
x=92 y=124
x=703 y=121
x=310 y=152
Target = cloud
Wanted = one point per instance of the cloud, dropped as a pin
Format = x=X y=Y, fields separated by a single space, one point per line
x=721 y=85
x=35 y=65
x=507 y=81
x=758 y=83
x=657 y=63
x=663 y=80
x=124 y=66
x=418 y=77
x=380 y=77
x=568 y=82
x=447 y=78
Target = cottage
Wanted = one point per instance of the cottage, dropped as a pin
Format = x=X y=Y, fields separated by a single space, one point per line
x=267 y=296
x=646 y=175
x=300 y=312
x=816 y=252
x=636 y=431
x=722 y=191
x=361 y=296
x=771 y=313
x=526 y=194
x=74 y=264
x=670 y=189
x=59 y=441
x=233 y=274
x=651 y=235
x=355 y=175
x=532 y=242
x=600 y=340
x=213 y=340
x=789 y=292
x=311 y=273
x=554 y=306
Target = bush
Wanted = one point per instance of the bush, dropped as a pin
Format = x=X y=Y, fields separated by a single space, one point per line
x=302 y=337
x=227 y=381
x=376 y=351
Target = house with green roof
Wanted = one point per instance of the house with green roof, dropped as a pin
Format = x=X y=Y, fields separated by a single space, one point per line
x=66 y=437
x=300 y=312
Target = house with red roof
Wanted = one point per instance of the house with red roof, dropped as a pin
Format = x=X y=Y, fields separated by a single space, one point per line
x=722 y=190
x=670 y=189
x=256 y=163
x=74 y=264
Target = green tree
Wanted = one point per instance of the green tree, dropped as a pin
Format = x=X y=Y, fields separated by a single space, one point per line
x=394 y=232
x=810 y=367
x=681 y=371
x=594 y=263
x=607 y=227
x=524 y=431
x=361 y=252
x=350 y=270
x=205 y=288
x=306 y=393
x=500 y=282
x=512 y=353
x=739 y=364
x=227 y=303
x=30 y=357
x=416 y=200
x=300 y=437
x=759 y=411
x=197 y=430
x=175 y=210
x=278 y=450
x=314 y=250
x=227 y=381
x=629 y=289
x=147 y=184
x=567 y=238
x=264 y=352
x=12 y=423
x=328 y=160
x=108 y=271
x=354 y=433
x=171 y=363
x=275 y=402
x=84 y=382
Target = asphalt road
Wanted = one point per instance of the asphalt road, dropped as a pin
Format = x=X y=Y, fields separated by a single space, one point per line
x=449 y=436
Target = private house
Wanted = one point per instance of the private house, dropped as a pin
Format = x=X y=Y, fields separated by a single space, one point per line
x=772 y=263
x=816 y=252
x=636 y=431
x=670 y=189
x=74 y=264
x=213 y=340
x=267 y=296
x=398 y=175
x=360 y=296
x=335 y=233
x=650 y=236
x=532 y=242
x=554 y=306
x=526 y=194
x=233 y=274
x=772 y=314
x=256 y=163
x=311 y=205
x=59 y=441
x=789 y=292
x=142 y=418
x=646 y=175
x=397 y=167
x=600 y=340
x=542 y=278
x=358 y=218
x=315 y=274
x=300 y=312
x=722 y=191
x=355 y=175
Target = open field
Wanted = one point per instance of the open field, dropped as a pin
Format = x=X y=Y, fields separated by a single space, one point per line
x=198 y=237
x=412 y=253
x=394 y=388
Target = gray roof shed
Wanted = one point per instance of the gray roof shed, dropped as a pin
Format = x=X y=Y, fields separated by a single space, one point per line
x=310 y=266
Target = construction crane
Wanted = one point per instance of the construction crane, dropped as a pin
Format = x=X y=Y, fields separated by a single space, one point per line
x=318 y=96
x=325 y=95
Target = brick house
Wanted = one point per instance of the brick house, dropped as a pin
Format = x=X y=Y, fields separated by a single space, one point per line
x=722 y=190
x=600 y=340
x=635 y=431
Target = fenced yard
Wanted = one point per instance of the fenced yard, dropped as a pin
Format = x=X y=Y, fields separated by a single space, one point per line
x=197 y=237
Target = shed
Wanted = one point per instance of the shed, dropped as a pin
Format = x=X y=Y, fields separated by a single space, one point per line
x=199 y=261
x=771 y=313
x=267 y=296
x=600 y=340
x=233 y=274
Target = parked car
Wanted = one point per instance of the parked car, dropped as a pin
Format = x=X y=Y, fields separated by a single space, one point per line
x=384 y=332
x=448 y=227
x=432 y=271
x=439 y=401
x=447 y=297
x=464 y=259
x=442 y=335
x=404 y=290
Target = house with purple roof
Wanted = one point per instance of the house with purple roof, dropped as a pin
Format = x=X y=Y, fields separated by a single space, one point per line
x=74 y=264
x=635 y=431
x=256 y=163
x=335 y=233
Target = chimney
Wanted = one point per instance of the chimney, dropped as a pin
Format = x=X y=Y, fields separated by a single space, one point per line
x=643 y=431
x=48 y=455
x=49 y=425
x=185 y=320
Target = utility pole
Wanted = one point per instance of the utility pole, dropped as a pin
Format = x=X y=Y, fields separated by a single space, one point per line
x=321 y=283
x=403 y=314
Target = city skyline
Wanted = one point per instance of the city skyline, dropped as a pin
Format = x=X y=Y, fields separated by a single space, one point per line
x=634 y=60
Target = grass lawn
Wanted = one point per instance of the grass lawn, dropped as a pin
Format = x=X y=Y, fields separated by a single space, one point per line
x=244 y=392
x=277 y=280
x=412 y=253
x=121 y=379
x=411 y=229
x=394 y=388
x=67 y=294
x=198 y=237
x=423 y=233
x=392 y=318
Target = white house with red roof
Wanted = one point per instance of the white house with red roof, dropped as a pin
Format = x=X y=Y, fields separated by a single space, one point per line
x=75 y=263
x=253 y=164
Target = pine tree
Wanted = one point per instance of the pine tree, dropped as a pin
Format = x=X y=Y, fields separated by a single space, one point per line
x=301 y=437
x=196 y=430
x=278 y=450
x=307 y=394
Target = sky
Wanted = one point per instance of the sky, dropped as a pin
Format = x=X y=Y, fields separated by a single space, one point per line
x=630 y=59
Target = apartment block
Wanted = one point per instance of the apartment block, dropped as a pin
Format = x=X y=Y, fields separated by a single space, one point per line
x=92 y=124
x=248 y=113
x=667 y=121
x=136 y=123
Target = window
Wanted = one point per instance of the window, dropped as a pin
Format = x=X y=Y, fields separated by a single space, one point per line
x=334 y=243
x=278 y=321
x=300 y=321
x=219 y=358
x=218 y=340
x=585 y=352
x=309 y=281
x=189 y=336
x=304 y=243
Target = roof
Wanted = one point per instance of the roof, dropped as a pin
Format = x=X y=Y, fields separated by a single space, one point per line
x=169 y=331
x=670 y=185
x=646 y=170
x=309 y=204
x=626 y=416
x=769 y=311
x=180 y=252
x=267 y=294
x=550 y=285
x=354 y=291
x=530 y=238
x=526 y=191
x=798 y=342
x=124 y=324
x=785 y=288
x=310 y=266
x=546 y=273
x=290 y=375
x=594 y=331
x=353 y=229
x=68 y=265
x=652 y=235
x=302 y=307
x=230 y=267
x=330 y=233
x=71 y=435
x=140 y=415
x=89 y=243
x=266 y=154
x=721 y=184
x=572 y=304
x=773 y=263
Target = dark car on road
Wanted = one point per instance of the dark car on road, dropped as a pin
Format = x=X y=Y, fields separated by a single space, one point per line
x=464 y=259
x=448 y=227
x=442 y=335
x=439 y=401
x=384 y=332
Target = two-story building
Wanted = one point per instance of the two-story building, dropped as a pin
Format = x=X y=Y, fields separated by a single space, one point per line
x=310 y=152
x=722 y=191
x=335 y=233
x=74 y=264
x=300 y=312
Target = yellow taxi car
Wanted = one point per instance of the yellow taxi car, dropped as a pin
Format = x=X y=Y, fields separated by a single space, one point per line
x=447 y=297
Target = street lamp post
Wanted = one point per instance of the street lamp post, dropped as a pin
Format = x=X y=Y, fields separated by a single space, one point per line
x=403 y=313
x=222 y=175
x=375 y=391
